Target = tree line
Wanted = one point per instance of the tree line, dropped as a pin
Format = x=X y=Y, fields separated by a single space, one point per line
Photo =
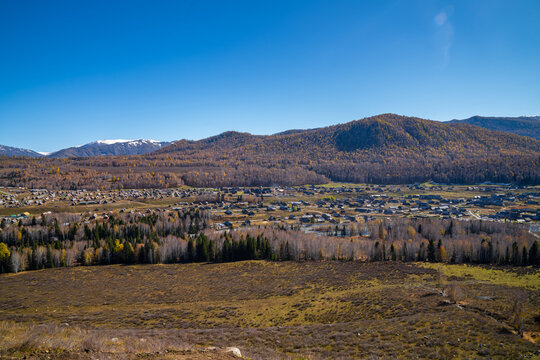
x=185 y=236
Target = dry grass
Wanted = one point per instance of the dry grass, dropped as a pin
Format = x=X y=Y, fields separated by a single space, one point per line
x=268 y=310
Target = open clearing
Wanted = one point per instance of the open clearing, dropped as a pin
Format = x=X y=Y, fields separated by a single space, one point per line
x=268 y=310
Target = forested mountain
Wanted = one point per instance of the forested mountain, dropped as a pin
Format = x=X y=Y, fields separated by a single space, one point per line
x=523 y=125
x=386 y=148
x=378 y=134
x=111 y=147
x=13 y=151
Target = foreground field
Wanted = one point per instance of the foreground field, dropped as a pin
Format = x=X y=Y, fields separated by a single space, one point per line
x=270 y=310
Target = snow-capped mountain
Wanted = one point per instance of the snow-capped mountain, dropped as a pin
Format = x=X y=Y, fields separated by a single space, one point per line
x=12 y=151
x=111 y=147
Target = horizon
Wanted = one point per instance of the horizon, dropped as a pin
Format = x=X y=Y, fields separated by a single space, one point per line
x=112 y=141
x=79 y=73
x=109 y=141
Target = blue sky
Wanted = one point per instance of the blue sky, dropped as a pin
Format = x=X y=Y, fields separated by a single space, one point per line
x=76 y=71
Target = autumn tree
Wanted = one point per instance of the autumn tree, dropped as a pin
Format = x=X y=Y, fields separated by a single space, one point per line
x=4 y=257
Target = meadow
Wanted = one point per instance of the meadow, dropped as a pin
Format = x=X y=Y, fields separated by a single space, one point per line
x=296 y=310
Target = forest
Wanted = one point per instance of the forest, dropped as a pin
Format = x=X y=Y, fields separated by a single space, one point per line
x=386 y=149
x=57 y=240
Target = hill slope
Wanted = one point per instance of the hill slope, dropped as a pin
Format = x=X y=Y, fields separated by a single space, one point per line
x=386 y=148
x=13 y=151
x=375 y=135
x=524 y=125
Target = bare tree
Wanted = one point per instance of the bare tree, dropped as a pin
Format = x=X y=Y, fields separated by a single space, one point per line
x=518 y=312
x=15 y=262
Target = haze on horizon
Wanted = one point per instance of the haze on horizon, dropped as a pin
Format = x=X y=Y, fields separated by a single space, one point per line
x=72 y=73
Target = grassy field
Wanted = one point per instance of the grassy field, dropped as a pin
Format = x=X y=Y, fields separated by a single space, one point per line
x=268 y=310
x=65 y=207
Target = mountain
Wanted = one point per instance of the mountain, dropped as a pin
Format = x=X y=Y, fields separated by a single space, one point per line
x=523 y=125
x=382 y=134
x=292 y=131
x=387 y=148
x=12 y=151
x=382 y=149
x=111 y=147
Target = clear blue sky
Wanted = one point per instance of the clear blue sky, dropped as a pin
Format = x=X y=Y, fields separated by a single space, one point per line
x=76 y=71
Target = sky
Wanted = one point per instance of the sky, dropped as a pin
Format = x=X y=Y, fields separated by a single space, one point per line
x=75 y=71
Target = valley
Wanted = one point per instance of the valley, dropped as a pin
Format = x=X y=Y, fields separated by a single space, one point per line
x=388 y=236
x=260 y=180
x=272 y=272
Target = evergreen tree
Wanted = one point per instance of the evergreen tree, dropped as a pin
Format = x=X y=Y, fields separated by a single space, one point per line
x=438 y=255
x=226 y=250
x=50 y=262
x=515 y=254
x=524 y=254
x=202 y=249
x=129 y=253
x=450 y=231
x=422 y=252
x=191 y=254
x=431 y=251
x=533 y=253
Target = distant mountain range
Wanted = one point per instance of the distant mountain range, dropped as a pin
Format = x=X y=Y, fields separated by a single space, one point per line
x=523 y=125
x=97 y=148
x=13 y=151
x=386 y=148
x=111 y=148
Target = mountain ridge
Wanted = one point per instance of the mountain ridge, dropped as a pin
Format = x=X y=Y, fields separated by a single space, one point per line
x=522 y=125
x=116 y=147
x=104 y=147
x=15 y=151
x=376 y=132
x=384 y=149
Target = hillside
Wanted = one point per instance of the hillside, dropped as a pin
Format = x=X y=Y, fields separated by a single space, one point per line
x=382 y=149
x=378 y=134
x=13 y=151
x=524 y=125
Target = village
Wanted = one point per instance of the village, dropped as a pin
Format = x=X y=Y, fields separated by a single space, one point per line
x=306 y=206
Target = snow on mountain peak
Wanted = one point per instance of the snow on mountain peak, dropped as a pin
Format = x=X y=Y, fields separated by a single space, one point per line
x=111 y=142
x=130 y=142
